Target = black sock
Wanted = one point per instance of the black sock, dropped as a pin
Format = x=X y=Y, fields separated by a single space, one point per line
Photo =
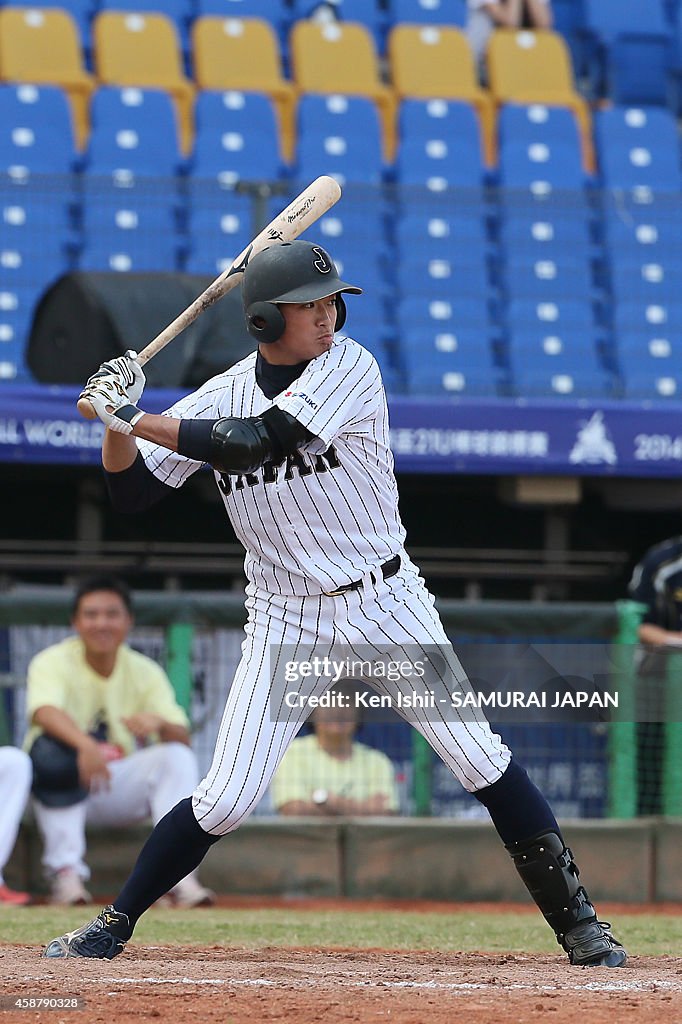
x=177 y=846
x=517 y=807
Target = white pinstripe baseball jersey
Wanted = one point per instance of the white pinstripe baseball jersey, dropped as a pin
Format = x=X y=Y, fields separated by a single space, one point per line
x=328 y=513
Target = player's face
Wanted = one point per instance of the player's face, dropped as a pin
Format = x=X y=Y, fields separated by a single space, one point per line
x=309 y=332
x=102 y=621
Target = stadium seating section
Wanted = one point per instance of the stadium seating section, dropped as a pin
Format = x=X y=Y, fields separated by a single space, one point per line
x=518 y=238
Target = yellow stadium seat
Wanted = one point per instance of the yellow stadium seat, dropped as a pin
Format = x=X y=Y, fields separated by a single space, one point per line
x=243 y=54
x=42 y=46
x=436 y=62
x=535 y=67
x=340 y=57
x=144 y=50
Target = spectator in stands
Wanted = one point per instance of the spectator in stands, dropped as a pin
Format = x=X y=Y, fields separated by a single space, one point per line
x=15 y=785
x=487 y=15
x=108 y=741
x=657 y=583
x=329 y=773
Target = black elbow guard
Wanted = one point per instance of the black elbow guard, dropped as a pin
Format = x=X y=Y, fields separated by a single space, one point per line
x=239 y=445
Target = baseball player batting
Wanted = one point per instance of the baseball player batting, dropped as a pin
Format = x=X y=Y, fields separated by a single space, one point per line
x=297 y=436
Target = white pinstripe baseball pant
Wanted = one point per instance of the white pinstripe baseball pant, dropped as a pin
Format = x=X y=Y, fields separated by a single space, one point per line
x=381 y=615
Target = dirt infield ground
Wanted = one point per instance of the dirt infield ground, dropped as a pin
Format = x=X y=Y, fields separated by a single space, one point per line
x=236 y=985
x=302 y=986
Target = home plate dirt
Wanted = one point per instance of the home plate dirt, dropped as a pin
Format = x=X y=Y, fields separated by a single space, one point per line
x=232 y=986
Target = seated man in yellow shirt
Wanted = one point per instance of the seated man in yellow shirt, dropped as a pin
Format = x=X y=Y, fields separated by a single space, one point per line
x=328 y=772
x=108 y=741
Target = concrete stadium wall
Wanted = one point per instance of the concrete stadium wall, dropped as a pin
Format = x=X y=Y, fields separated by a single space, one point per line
x=629 y=861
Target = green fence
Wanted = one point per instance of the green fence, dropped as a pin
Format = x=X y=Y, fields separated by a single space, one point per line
x=182 y=618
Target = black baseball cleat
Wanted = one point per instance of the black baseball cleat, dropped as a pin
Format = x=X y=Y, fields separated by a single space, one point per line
x=591 y=944
x=102 y=938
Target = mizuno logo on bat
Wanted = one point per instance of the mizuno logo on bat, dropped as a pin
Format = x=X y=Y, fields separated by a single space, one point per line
x=239 y=268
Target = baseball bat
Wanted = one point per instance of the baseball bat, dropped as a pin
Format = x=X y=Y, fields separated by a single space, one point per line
x=305 y=209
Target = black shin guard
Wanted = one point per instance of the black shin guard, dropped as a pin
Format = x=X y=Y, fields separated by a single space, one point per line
x=550 y=874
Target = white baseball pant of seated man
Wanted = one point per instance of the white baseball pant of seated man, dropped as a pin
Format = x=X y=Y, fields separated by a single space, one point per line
x=144 y=785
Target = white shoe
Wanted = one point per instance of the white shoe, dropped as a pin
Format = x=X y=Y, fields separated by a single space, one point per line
x=68 y=889
x=191 y=893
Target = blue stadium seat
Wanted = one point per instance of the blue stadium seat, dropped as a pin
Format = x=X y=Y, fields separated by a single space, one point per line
x=439 y=145
x=438 y=118
x=562 y=350
x=37 y=205
x=646 y=317
x=441 y=232
x=607 y=19
x=354 y=232
x=643 y=225
x=650 y=364
x=36 y=131
x=444 y=378
x=638 y=146
x=576 y=314
x=17 y=302
x=547 y=382
x=549 y=279
x=553 y=230
x=650 y=368
x=538 y=143
x=448 y=314
x=129 y=195
x=569 y=21
x=454 y=275
x=540 y=167
x=638 y=70
x=448 y=361
x=340 y=136
x=440 y=255
x=135 y=129
x=536 y=122
x=428 y=12
x=128 y=224
x=649 y=282
x=219 y=226
x=34 y=250
x=236 y=138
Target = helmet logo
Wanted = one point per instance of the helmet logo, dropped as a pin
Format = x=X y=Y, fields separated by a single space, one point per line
x=322 y=262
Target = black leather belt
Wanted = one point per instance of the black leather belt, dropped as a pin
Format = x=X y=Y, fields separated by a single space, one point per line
x=388 y=569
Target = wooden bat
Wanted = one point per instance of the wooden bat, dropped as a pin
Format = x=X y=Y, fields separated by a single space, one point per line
x=306 y=208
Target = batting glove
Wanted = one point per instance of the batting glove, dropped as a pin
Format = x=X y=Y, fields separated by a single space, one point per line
x=111 y=402
x=128 y=373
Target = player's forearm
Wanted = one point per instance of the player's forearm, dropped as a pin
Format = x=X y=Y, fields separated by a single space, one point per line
x=61 y=726
x=119 y=451
x=163 y=430
x=656 y=636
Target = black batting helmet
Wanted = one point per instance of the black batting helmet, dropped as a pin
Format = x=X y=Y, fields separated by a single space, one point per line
x=291 y=272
